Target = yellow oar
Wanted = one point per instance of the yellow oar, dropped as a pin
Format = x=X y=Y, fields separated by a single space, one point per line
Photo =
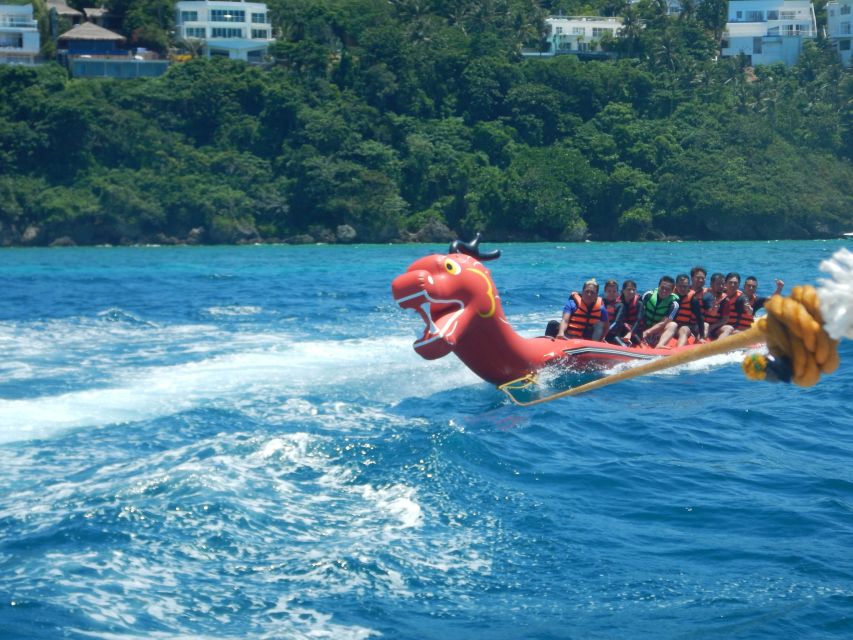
x=751 y=337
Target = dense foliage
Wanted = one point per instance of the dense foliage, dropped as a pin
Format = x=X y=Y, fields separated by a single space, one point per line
x=400 y=119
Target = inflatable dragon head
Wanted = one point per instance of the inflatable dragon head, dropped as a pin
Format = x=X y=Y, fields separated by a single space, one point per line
x=450 y=292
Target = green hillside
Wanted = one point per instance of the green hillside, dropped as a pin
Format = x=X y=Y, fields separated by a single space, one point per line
x=403 y=120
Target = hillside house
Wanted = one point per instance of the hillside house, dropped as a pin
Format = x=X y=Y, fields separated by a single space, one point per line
x=19 y=34
x=768 y=31
x=238 y=30
x=91 y=51
x=579 y=35
x=839 y=17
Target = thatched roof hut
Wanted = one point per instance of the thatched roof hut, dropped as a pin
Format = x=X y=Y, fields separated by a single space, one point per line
x=63 y=9
x=90 y=32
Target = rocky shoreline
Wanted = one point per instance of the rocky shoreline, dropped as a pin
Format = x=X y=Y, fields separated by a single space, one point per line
x=88 y=235
x=94 y=235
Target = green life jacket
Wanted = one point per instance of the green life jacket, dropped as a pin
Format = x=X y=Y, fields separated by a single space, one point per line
x=655 y=310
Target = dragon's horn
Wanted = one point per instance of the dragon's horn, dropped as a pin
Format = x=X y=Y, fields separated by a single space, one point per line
x=473 y=249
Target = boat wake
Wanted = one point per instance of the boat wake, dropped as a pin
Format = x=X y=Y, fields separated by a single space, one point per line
x=261 y=374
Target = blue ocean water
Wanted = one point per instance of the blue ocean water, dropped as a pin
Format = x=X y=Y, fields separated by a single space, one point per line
x=240 y=442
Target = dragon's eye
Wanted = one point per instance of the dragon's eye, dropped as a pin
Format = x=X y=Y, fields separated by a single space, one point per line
x=452 y=266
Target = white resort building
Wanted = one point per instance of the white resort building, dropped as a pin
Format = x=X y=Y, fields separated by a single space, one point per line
x=839 y=18
x=768 y=31
x=19 y=34
x=579 y=34
x=238 y=30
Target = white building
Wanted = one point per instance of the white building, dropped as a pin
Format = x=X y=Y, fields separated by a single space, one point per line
x=768 y=31
x=574 y=34
x=839 y=18
x=239 y=30
x=19 y=34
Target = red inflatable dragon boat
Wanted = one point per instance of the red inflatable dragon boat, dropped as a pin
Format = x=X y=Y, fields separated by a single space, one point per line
x=455 y=296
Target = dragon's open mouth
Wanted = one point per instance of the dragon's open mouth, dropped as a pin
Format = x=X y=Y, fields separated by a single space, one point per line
x=439 y=316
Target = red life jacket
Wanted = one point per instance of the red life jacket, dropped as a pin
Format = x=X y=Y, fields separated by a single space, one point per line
x=611 y=309
x=632 y=310
x=583 y=319
x=685 y=311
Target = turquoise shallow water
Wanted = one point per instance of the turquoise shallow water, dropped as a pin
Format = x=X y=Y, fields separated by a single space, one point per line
x=241 y=443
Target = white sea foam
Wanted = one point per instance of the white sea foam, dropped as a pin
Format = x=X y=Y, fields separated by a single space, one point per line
x=705 y=364
x=234 y=310
x=340 y=535
x=266 y=374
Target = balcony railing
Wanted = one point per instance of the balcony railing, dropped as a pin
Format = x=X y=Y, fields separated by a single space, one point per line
x=18 y=23
x=781 y=31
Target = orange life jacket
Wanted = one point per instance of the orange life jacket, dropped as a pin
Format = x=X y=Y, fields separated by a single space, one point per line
x=713 y=315
x=583 y=319
x=745 y=319
x=685 y=309
x=727 y=304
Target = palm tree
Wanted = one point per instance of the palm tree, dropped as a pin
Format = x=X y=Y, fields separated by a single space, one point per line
x=632 y=30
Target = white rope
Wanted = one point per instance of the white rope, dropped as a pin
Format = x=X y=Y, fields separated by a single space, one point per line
x=836 y=295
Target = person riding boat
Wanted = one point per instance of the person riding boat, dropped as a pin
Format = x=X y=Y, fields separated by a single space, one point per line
x=733 y=304
x=611 y=298
x=753 y=302
x=625 y=328
x=702 y=294
x=584 y=315
x=660 y=306
x=717 y=326
x=697 y=280
x=689 y=319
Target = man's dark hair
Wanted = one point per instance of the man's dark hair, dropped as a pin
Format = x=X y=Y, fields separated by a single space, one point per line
x=697 y=268
x=682 y=277
x=733 y=274
x=666 y=279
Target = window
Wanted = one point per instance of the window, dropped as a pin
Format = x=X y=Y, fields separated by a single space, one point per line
x=787 y=15
x=12 y=41
x=195 y=32
x=227 y=15
x=578 y=31
x=772 y=15
x=223 y=32
x=755 y=16
x=844 y=45
x=845 y=28
x=756 y=45
x=739 y=15
x=597 y=32
x=189 y=16
x=260 y=34
x=845 y=9
x=259 y=18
